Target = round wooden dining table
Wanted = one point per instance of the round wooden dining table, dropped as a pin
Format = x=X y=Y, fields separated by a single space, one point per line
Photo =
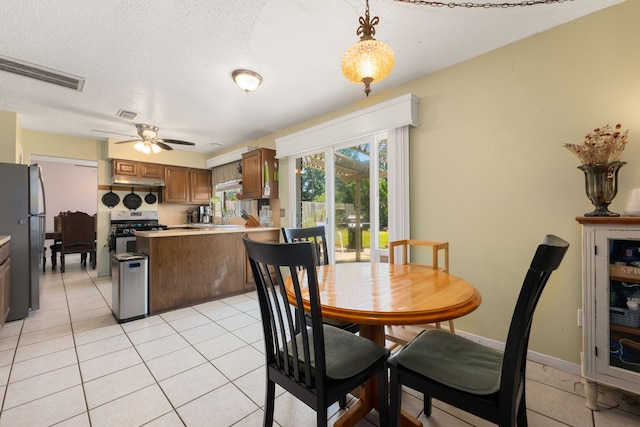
x=378 y=294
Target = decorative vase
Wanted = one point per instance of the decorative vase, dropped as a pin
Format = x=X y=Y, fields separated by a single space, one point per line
x=601 y=185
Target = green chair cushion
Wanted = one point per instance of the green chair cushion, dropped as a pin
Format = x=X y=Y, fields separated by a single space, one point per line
x=454 y=361
x=346 y=354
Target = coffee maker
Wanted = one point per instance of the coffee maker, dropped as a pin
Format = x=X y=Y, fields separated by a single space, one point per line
x=204 y=214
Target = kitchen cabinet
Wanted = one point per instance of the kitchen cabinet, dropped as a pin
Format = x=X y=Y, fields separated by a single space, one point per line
x=186 y=185
x=259 y=236
x=611 y=293
x=138 y=169
x=5 y=282
x=259 y=174
x=201 y=189
x=196 y=266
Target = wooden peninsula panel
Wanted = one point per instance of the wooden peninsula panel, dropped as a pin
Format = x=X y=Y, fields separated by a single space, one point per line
x=197 y=267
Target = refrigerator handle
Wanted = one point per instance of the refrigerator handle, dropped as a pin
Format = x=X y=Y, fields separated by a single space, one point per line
x=43 y=214
x=44 y=199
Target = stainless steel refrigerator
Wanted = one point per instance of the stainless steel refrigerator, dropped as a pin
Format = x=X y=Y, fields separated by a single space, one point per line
x=22 y=216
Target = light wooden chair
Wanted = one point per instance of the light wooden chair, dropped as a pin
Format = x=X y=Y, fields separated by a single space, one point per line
x=402 y=334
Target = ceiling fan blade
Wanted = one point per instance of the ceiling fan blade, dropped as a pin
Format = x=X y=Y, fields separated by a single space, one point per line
x=163 y=145
x=129 y=140
x=114 y=133
x=175 y=141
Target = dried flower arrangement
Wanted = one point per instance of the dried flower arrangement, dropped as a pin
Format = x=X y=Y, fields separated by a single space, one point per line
x=603 y=145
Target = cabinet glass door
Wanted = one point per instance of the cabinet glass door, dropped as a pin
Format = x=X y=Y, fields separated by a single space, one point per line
x=617 y=300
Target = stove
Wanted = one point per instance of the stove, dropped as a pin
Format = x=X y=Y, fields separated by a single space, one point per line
x=124 y=225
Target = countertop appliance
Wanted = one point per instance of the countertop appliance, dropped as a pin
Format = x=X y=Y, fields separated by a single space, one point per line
x=22 y=216
x=124 y=225
x=129 y=286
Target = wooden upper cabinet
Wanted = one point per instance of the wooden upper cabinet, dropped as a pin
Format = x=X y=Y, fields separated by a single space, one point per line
x=125 y=167
x=185 y=185
x=201 y=188
x=141 y=169
x=151 y=170
x=176 y=185
x=260 y=174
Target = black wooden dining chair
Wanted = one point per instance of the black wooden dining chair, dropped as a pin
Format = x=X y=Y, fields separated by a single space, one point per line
x=317 y=235
x=78 y=236
x=317 y=364
x=463 y=373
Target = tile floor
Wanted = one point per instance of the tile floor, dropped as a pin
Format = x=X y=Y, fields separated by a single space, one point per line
x=70 y=364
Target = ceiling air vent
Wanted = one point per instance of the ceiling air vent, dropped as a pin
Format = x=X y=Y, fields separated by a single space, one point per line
x=41 y=73
x=129 y=115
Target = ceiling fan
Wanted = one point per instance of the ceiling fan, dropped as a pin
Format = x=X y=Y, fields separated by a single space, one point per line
x=149 y=141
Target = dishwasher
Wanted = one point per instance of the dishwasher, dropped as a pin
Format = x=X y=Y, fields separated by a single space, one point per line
x=129 y=285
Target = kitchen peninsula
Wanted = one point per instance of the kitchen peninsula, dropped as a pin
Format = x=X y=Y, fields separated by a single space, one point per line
x=190 y=266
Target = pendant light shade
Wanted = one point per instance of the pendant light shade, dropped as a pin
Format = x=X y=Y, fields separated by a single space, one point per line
x=369 y=60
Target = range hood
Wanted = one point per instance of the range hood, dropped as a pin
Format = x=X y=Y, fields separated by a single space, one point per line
x=136 y=181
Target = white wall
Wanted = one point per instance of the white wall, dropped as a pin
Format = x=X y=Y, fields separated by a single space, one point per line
x=69 y=187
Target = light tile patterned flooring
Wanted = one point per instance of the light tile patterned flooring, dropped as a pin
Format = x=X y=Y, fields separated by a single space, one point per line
x=70 y=364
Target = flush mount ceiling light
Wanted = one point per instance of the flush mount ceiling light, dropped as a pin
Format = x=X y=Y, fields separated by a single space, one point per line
x=368 y=60
x=247 y=80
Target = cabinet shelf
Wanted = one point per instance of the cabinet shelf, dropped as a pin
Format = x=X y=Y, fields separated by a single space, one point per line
x=624 y=329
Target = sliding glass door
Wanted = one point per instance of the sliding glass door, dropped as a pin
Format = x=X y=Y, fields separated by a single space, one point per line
x=347 y=195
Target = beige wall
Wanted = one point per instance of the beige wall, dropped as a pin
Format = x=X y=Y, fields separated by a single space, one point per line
x=9 y=137
x=493 y=175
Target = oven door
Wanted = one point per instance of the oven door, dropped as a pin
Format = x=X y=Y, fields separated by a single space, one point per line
x=125 y=244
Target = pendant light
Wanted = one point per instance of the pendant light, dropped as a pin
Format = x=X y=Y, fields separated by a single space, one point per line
x=369 y=60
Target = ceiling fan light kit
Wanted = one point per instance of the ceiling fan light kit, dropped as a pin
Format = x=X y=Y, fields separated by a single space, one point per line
x=368 y=60
x=247 y=80
x=147 y=147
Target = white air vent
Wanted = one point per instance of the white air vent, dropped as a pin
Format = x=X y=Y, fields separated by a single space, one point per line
x=129 y=115
x=41 y=73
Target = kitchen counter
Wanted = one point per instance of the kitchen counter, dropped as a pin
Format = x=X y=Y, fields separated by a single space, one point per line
x=202 y=229
x=196 y=265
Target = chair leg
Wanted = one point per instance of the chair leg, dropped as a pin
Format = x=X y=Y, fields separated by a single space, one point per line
x=451 y=327
x=426 y=405
x=395 y=399
x=343 y=402
x=321 y=417
x=383 y=393
x=522 y=412
x=269 y=403
x=62 y=262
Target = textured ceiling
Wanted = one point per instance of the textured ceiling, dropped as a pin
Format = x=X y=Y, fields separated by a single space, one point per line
x=171 y=61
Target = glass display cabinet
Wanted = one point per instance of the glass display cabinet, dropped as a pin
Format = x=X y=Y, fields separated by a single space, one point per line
x=610 y=301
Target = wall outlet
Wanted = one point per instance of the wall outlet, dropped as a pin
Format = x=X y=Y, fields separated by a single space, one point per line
x=580 y=317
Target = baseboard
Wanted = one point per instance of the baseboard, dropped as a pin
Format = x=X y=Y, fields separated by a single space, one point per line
x=554 y=362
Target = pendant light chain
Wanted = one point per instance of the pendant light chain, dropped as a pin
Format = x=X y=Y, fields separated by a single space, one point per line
x=470 y=5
